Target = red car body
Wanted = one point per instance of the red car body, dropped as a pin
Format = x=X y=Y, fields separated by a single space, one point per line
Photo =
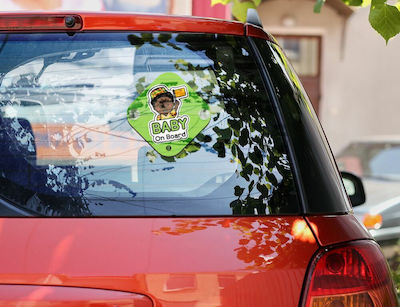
x=167 y=261
x=213 y=261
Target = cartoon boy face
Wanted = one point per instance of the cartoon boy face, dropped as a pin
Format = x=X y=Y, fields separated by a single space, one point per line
x=163 y=103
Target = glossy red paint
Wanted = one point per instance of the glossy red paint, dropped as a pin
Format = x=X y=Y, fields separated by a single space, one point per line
x=334 y=229
x=258 y=32
x=155 y=23
x=39 y=22
x=125 y=22
x=137 y=22
x=51 y=22
x=211 y=261
x=23 y=295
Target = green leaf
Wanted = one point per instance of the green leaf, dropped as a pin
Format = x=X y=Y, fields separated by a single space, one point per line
x=193 y=85
x=157 y=44
x=164 y=37
x=353 y=2
x=147 y=37
x=366 y=3
x=235 y=124
x=200 y=73
x=236 y=206
x=251 y=186
x=219 y=147
x=272 y=179
x=224 y=2
x=263 y=189
x=385 y=19
x=168 y=159
x=224 y=134
x=244 y=137
x=204 y=138
x=234 y=150
x=247 y=171
x=238 y=191
x=151 y=155
x=239 y=9
x=140 y=88
x=256 y=156
x=193 y=147
x=207 y=88
x=318 y=6
x=241 y=157
x=181 y=155
x=174 y=46
x=135 y=40
x=378 y=2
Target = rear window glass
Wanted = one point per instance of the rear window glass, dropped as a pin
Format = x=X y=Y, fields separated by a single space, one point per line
x=373 y=159
x=323 y=188
x=137 y=124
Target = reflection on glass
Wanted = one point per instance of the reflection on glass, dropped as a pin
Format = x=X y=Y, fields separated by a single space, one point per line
x=372 y=158
x=68 y=149
x=302 y=52
x=349 y=186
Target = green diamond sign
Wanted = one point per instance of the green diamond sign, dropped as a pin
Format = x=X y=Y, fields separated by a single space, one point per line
x=168 y=114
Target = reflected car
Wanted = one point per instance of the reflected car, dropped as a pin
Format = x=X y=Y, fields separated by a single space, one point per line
x=169 y=161
x=376 y=160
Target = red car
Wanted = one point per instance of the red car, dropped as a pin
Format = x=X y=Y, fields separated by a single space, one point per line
x=169 y=161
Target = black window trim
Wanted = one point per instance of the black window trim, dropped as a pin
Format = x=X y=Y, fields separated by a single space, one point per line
x=328 y=200
x=266 y=78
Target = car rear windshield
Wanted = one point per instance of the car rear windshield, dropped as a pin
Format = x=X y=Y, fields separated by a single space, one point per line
x=138 y=124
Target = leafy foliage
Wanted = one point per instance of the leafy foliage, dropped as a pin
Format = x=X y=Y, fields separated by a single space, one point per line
x=239 y=8
x=318 y=6
x=248 y=135
x=383 y=17
x=242 y=129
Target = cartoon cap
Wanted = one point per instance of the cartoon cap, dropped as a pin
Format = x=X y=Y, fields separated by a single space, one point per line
x=158 y=91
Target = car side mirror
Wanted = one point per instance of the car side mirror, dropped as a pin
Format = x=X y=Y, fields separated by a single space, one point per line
x=354 y=188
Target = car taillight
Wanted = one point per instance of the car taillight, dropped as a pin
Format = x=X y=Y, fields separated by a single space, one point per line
x=40 y=22
x=372 y=221
x=354 y=275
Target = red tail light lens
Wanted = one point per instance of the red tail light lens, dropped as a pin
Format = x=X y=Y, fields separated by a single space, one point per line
x=40 y=22
x=354 y=275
